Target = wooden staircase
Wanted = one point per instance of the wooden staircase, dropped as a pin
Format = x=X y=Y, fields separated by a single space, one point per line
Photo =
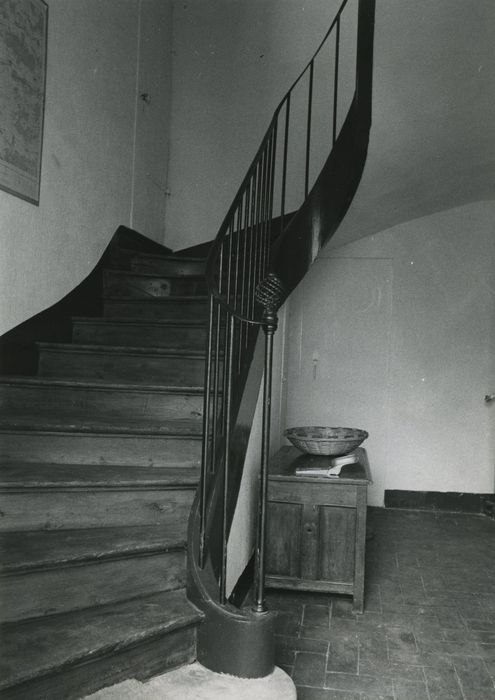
x=100 y=457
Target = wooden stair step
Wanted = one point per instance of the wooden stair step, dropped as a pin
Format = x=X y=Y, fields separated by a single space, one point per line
x=49 y=572
x=60 y=422
x=165 y=265
x=76 y=653
x=100 y=448
x=122 y=363
x=19 y=475
x=144 y=285
x=136 y=332
x=27 y=551
x=46 y=496
x=79 y=397
x=180 y=308
x=63 y=440
x=119 y=256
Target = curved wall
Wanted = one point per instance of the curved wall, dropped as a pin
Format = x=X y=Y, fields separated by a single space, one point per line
x=432 y=142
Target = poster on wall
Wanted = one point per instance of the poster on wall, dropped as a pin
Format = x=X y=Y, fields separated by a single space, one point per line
x=23 y=36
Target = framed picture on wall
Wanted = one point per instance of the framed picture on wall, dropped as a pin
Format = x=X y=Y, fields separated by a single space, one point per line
x=23 y=39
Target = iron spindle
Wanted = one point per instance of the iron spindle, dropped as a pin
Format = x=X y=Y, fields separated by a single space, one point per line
x=336 y=80
x=308 y=128
x=252 y=249
x=228 y=360
x=284 y=162
x=270 y=194
x=258 y=217
x=263 y=209
x=206 y=446
x=269 y=328
x=217 y=406
x=244 y=257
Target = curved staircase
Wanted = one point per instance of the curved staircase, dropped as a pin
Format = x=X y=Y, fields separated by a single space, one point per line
x=101 y=450
x=100 y=460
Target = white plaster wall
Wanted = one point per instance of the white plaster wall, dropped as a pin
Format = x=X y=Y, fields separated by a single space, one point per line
x=339 y=353
x=88 y=157
x=152 y=126
x=403 y=326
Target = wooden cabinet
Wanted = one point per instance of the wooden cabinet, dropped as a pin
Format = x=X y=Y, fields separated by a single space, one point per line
x=316 y=526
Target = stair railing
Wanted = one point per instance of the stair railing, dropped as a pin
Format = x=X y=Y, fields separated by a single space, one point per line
x=248 y=274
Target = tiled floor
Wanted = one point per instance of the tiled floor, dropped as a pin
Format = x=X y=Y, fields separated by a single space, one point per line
x=428 y=630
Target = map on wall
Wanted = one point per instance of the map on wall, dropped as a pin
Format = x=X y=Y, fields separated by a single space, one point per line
x=23 y=29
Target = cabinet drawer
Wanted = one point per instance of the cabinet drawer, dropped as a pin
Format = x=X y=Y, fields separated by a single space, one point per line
x=333 y=494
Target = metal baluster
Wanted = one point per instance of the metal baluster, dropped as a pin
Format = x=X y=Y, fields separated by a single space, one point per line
x=228 y=360
x=217 y=405
x=247 y=195
x=308 y=128
x=252 y=247
x=269 y=293
x=264 y=204
x=336 y=80
x=259 y=192
x=237 y=283
x=206 y=454
x=271 y=182
x=284 y=162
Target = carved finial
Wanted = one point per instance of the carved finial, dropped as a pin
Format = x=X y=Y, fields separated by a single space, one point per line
x=270 y=292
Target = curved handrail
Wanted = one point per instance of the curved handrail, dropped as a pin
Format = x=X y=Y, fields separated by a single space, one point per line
x=224 y=228
x=249 y=274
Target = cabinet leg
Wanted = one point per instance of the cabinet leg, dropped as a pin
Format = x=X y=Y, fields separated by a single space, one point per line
x=358 y=603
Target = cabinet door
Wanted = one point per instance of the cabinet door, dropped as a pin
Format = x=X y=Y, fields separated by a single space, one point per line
x=283 y=539
x=337 y=545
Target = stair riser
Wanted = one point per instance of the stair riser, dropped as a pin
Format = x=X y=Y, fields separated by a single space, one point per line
x=159 y=310
x=164 y=266
x=49 y=509
x=74 y=587
x=98 y=402
x=91 y=449
x=173 y=370
x=113 y=333
x=133 y=286
x=142 y=661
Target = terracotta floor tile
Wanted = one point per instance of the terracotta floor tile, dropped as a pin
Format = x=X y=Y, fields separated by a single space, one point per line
x=428 y=628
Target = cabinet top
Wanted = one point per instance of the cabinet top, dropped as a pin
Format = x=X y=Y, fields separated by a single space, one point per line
x=284 y=463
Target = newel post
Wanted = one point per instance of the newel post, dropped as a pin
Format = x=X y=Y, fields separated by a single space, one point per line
x=269 y=293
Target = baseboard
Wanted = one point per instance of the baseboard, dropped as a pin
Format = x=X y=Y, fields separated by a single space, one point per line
x=452 y=501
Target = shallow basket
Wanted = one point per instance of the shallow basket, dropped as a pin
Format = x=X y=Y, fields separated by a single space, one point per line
x=317 y=440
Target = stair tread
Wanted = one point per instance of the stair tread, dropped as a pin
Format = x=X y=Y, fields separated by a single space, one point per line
x=122 y=349
x=173 y=258
x=138 y=321
x=59 y=641
x=161 y=300
x=98 y=384
x=153 y=275
x=105 y=424
x=34 y=549
x=18 y=475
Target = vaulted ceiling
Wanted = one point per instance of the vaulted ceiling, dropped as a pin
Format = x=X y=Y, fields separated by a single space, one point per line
x=432 y=143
